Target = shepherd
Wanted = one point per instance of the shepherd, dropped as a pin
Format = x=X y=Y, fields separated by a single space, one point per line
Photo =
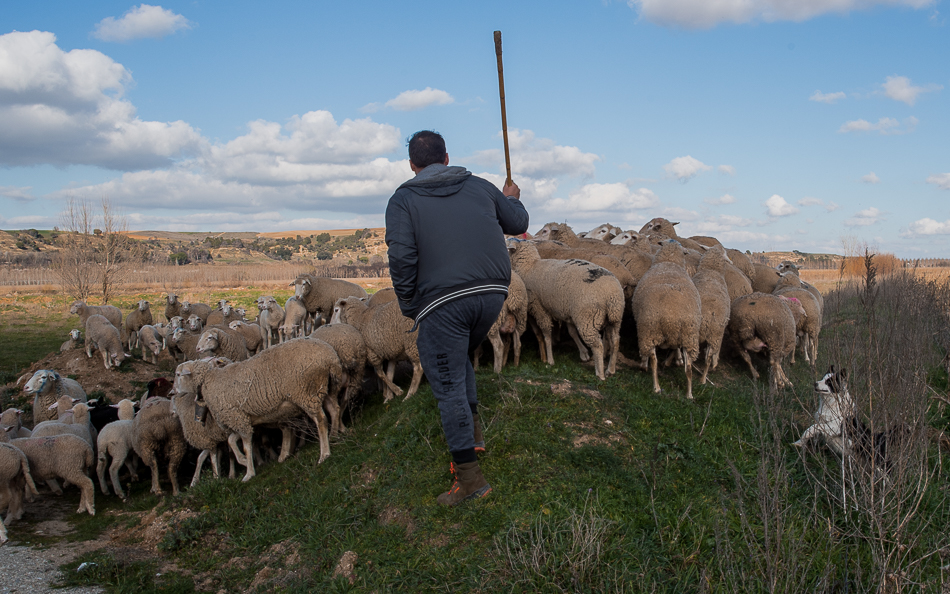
x=445 y=229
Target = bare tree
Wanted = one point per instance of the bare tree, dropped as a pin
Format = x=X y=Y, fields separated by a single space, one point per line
x=96 y=253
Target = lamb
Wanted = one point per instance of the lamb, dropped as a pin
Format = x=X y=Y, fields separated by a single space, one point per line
x=295 y=320
x=141 y=316
x=63 y=409
x=206 y=436
x=156 y=427
x=512 y=322
x=74 y=337
x=350 y=348
x=790 y=285
x=270 y=320
x=152 y=341
x=110 y=312
x=65 y=457
x=80 y=427
x=202 y=310
x=14 y=474
x=13 y=417
x=387 y=335
x=714 y=297
x=605 y=232
x=217 y=342
x=319 y=295
x=583 y=295
x=765 y=278
x=115 y=440
x=267 y=389
x=102 y=335
x=763 y=321
x=251 y=334
x=46 y=386
x=668 y=311
x=172 y=306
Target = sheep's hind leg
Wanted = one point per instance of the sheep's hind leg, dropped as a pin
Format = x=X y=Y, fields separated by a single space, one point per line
x=581 y=347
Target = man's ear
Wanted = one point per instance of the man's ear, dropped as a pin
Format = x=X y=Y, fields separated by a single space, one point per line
x=446 y=161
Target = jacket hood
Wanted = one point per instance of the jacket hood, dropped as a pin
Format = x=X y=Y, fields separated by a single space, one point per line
x=438 y=180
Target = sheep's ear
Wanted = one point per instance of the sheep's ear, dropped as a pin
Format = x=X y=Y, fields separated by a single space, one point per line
x=219 y=362
x=114 y=405
x=291 y=284
x=52 y=406
x=54 y=374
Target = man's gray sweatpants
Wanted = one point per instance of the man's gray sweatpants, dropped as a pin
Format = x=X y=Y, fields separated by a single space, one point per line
x=447 y=337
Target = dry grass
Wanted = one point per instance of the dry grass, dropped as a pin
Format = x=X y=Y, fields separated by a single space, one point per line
x=827 y=281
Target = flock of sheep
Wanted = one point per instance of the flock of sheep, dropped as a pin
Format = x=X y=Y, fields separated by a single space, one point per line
x=686 y=296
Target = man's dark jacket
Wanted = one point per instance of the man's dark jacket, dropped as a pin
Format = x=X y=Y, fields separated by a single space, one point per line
x=445 y=229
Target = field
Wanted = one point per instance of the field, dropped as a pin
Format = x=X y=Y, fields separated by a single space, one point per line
x=598 y=486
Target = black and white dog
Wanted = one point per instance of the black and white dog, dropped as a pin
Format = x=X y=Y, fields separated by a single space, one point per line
x=843 y=432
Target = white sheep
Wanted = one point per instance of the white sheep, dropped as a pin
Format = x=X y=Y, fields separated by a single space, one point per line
x=80 y=427
x=115 y=441
x=183 y=342
x=319 y=295
x=13 y=417
x=152 y=341
x=583 y=295
x=251 y=333
x=14 y=475
x=224 y=315
x=348 y=343
x=172 y=306
x=295 y=320
x=761 y=321
x=300 y=373
x=194 y=323
x=64 y=457
x=75 y=336
x=269 y=320
x=668 y=311
x=102 y=335
x=205 y=434
x=791 y=267
x=512 y=322
x=110 y=312
x=765 y=278
x=715 y=301
x=140 y=316
x=202 y=310
x=790 y=285
x=46 y=386
x=221 y=343
x=386 y=333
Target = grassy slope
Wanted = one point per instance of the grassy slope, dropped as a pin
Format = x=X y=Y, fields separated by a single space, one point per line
x=597 y=487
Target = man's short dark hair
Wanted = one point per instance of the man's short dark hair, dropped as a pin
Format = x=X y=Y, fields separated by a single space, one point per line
x=425 y=148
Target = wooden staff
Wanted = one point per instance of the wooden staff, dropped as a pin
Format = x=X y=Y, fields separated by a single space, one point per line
x=501 y=93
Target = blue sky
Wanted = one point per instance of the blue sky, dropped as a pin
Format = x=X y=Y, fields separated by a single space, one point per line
x=769 y=124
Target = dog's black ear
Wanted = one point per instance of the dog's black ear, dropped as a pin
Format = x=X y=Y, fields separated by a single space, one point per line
x=844 y=375
x=831 y=369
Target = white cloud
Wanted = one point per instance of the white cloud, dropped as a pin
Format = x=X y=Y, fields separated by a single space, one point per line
x=415 y=100
x=871 y=178
x=66 y=108
x=685 y=168
x=776 y=206
x=724 y=199
x=826 y=97
x=703 y=14
x=885 y=126
x=941 y=180
x=19 y=194
x=927 y=227
x=537 y=157
x=143 y=21
x=604 y=198
x=810 y=201
x=899 y=88
x=864 y=218
x=727 y=169
x=676 y=213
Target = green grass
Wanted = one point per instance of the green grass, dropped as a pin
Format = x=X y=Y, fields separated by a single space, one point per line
x=599 y=487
